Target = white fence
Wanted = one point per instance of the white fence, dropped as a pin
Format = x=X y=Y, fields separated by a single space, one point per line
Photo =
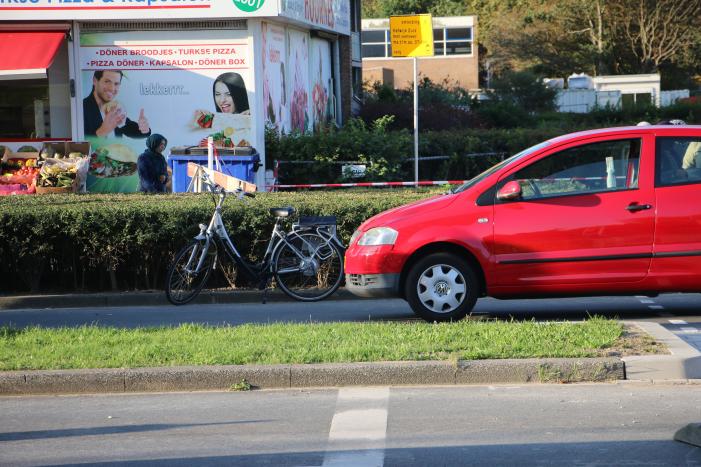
x=585 y=100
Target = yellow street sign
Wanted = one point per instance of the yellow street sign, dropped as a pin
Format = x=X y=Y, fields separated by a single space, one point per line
x=411 y=35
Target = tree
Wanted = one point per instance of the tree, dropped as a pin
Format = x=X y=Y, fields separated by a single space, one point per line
x=542 y=36
x=524 y=90
x=592 y=36
x=659 y=31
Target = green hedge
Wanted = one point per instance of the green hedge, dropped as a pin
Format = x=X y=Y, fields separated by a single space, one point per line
x=67 y=243
x=388 y=154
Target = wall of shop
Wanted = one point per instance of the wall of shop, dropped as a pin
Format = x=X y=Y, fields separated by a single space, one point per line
x=169 y=67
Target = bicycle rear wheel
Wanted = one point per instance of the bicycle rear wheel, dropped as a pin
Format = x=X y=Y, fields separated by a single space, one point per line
x=183 y=282
x=314 y=276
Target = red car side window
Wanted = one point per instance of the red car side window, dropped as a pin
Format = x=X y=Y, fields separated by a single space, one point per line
x=590 y=168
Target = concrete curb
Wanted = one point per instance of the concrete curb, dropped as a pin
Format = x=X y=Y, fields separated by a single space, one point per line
x=147 y=298
x=683 y=363
x=201 y=378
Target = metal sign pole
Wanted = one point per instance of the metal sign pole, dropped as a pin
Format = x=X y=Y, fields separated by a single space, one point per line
x=210 y=153
x=416 y=124
x=412 y=36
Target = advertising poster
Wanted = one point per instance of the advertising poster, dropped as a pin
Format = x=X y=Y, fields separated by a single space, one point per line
x=184 y=85
x=274 y=80
x=299 y=81
x=322 y=88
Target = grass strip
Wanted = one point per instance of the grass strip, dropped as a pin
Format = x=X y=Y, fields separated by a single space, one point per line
x=195 y=344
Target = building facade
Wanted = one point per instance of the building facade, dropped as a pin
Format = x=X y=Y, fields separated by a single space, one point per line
x=455 y=54
x=187 y=69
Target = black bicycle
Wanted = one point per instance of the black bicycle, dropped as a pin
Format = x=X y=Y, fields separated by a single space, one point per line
x=306 y=262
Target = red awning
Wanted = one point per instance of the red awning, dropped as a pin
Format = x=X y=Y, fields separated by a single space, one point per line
x=27 y=54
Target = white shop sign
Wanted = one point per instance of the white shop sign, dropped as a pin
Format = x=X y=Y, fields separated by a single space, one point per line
x=105 y=10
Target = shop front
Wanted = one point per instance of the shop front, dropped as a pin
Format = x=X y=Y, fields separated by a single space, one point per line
x=98 y=73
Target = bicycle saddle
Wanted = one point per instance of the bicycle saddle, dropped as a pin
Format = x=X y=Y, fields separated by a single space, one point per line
x=282 y=212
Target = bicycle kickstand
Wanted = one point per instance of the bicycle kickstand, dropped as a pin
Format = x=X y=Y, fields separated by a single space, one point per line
x=265 y=286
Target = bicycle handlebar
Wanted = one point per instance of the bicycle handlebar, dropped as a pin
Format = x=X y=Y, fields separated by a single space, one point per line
x=220 y=189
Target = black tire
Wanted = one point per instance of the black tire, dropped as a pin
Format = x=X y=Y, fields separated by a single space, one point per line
x=442 y=287
x=181 y=286
x=318 y=278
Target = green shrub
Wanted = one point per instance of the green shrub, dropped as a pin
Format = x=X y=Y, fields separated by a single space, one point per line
x=523 y=90
x=67 y=243
x=388 y=155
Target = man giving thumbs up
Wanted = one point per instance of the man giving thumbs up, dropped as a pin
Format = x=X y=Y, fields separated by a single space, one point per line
x=104 y=116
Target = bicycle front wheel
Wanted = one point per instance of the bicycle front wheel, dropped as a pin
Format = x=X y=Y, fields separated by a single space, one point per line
x=185 y=280
x=309 y=268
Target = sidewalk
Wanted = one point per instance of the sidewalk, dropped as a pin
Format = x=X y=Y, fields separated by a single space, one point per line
x=683 y=366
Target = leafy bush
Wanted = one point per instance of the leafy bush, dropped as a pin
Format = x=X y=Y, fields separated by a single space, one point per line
x=523 y=90
x=67 y=243
x=442 y=106
x=388 y=155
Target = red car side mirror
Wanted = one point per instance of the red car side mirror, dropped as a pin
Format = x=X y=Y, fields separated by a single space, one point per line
x=510 y=191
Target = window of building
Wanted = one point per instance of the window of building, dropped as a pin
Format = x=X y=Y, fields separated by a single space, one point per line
x=446 y=41
x=355 y=15
x=375 y=43
x=453 y=41
x=633 y=99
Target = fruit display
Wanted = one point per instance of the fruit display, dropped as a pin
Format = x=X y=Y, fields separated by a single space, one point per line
x=27 y=149
x=57 y=176
x=30 y=171
x=21 y=162
x=17 y=170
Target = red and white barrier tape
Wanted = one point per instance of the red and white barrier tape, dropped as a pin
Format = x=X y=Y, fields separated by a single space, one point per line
x=424 y=183
x=370 y=184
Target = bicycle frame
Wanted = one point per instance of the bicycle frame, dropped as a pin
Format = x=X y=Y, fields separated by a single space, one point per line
x=216 y=231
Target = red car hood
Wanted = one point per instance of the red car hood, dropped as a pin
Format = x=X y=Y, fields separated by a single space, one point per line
x=393 y=216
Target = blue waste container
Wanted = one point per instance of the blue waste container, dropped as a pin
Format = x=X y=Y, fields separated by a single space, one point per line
x=241 y=167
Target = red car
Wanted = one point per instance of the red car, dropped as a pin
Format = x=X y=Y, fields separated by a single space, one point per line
x=601 y=212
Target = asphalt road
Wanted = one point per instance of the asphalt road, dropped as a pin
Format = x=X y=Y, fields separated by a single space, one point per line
x=659 y=309
x=604 y=424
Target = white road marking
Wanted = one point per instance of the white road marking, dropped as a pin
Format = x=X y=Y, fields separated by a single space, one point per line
x=646 y=300
x=689 y=330
x=655 y=307
x=359 y=428
x=677 y=321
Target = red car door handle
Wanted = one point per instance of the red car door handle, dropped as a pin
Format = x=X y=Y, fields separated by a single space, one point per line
x=633 y=207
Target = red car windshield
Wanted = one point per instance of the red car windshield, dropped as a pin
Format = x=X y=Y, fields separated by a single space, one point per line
x=498 y=166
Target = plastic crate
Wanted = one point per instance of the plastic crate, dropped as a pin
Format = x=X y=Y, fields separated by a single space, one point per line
x=241 y=167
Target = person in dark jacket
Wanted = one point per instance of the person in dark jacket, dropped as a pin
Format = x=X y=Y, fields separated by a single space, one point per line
x=152 y=167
